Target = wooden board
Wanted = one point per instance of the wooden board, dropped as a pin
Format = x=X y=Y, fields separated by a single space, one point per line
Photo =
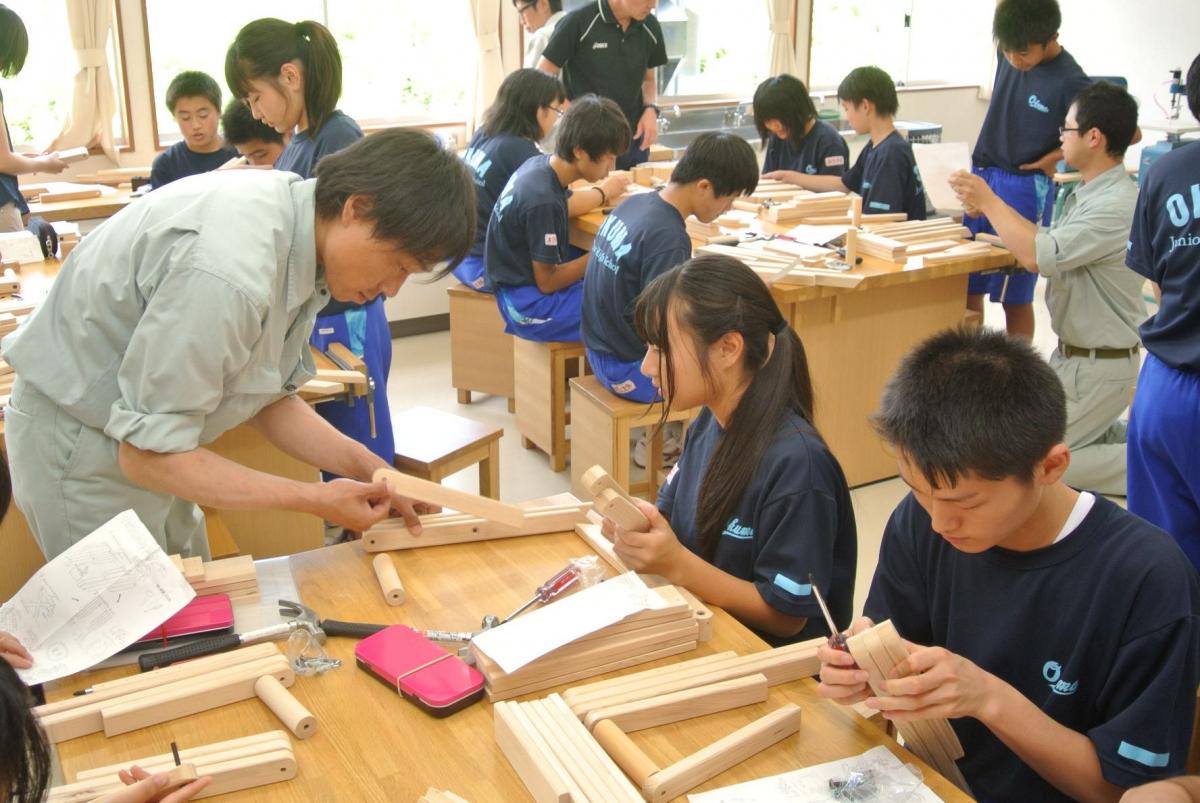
x=432 y=492
x=439 y=529
x=685 y=704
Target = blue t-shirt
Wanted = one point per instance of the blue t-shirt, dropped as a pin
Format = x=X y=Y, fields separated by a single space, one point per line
x=493 y=160
x=795 y=518
x=640 y=239
x=821 y=152
x=1026 y=110
x=528 y=223
x=887 y=178
x=1100 y=631
x=180 y=161
x=1164 y=246
x=9 y=186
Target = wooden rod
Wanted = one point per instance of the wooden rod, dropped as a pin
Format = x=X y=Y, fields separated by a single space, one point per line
x=291 y=712
x=629 y=756
x=389 y=581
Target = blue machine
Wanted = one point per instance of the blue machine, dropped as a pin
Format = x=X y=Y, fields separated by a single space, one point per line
x=1174 y=139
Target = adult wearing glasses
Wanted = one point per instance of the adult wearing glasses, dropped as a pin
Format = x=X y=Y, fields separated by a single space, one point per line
x=612 y=48
x=539 y=19
x=1095 y=301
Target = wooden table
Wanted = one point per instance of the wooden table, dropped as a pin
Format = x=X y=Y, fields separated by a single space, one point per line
x=104 y=206
x=855 y=338
x=372 y=745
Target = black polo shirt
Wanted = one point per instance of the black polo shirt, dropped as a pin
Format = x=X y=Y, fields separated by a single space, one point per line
x=595 y=55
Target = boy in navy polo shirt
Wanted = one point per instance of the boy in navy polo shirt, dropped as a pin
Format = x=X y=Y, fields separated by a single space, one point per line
x=529 y=260
x=1059 y=633
x=1164 y=426
x=885 y=173
x=646 y=236
x=793 y=136
x=194 y=100
x=257 y=142
x=1018 y=147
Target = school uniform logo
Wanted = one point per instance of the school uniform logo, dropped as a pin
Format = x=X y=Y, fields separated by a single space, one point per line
x=835 y=161
x=735 y=529
x=599 y=45
x=552 y=240
x=612 y=234
x=1037 y=105
x=479 y=163
x=810 y=169
x=502 y=205
x=1052 y=672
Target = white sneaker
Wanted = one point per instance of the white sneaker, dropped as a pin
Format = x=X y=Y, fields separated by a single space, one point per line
x=672 y=445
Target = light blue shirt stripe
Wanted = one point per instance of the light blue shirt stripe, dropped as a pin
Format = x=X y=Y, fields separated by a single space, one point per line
x=792 y=587
x=1143 y=756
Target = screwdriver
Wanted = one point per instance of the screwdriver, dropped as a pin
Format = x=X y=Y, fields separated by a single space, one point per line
x=550 y=589
x=836 y=639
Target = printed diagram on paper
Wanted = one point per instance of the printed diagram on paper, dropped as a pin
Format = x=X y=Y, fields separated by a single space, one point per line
x=95 y=599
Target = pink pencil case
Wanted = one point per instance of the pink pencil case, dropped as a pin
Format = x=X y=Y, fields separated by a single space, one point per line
x=203 y=616
x=436 y=680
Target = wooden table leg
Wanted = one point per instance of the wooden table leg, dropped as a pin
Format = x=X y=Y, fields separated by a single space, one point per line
x=489 y=472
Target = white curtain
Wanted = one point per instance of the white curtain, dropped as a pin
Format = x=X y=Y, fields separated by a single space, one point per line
x=94 y=102
x=490 y=72
x=783 y=49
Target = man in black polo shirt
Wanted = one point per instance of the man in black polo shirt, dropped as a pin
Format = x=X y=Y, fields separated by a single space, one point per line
x=612 y=48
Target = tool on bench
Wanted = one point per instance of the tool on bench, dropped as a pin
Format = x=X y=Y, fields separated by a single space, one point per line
x=550 y=589
x=836 y=639
x=208 y=646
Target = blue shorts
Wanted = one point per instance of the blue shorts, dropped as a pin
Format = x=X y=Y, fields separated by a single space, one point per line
x=364 y=330
x=533 y=315
x=1163 y=462
x=1033 y=198
x=624 y=379
x=471 y=272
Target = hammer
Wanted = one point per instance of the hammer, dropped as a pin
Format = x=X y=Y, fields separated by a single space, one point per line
x=229 y=641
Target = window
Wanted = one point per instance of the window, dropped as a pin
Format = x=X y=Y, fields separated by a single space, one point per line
x=916 y=41
x=400 y=61
x=37 y=101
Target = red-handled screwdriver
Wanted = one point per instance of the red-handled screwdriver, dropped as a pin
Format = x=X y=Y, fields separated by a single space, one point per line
x=550 y=589
x=836 y=639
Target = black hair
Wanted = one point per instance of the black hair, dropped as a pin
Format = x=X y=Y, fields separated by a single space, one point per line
x=595 y=124
x=422 y=197
x=973 y=402
x=555 y=5
x=262 y=47
x=193 y=84
x=724 y=159
x=14 y=42
x=1110 y=109
x=1193 y=88
x=239 y=126
x=518 y=100
x=710 y=296
x=784 y=98
x=24 y=753
x=873 y=84
x=1017 y=24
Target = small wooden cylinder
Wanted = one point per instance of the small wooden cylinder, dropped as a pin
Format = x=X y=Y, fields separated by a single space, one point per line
x=389 y=581
x=291 y=712
x=629 y=756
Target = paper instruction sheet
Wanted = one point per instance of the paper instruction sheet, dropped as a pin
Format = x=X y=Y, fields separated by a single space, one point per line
x=937 y=161
x=98 y=597
x=528 y=637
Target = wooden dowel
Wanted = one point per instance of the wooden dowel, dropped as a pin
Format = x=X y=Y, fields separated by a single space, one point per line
x=291 y=712
x=389 y=581
x=629 y=756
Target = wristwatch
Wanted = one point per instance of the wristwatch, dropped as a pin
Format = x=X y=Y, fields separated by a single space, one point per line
x=657 y=111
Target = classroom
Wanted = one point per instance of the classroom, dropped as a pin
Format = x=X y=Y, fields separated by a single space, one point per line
x=599 y=400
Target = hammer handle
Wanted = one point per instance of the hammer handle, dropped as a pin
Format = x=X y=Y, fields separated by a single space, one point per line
x=194 y=649
x=332 y=627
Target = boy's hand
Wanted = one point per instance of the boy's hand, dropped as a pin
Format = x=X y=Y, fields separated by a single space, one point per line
x=14 y=652
x=1048 y=164
x=790 y=176
x=50 y=163
x=841 y=679
x=614 y=185
x=657 y=551
x=934 y=683
x=1174 y=790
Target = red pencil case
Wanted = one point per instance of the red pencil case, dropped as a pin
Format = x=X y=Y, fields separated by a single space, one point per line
x=203 y=616
x=436 y=680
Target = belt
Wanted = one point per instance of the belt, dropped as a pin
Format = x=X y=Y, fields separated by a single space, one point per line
x=1099 y=354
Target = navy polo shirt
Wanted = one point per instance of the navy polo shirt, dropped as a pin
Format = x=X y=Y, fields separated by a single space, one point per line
x=1164 y=246
x=9 y=187
x=821 y=152
x=180 y=161
x=1026 y=110
x=1099 y=630
x=595 y=55
x=794 y=518
x=640 y=239
x=887 y=178
x=528 y=223
x=492 y=161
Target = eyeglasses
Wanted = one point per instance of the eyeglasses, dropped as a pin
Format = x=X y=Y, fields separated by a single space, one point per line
x=521 y=9
x=1063 y=129
x=556 y=110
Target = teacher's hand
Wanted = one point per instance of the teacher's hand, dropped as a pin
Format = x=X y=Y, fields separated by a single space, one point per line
x=352 y=504
x=14 y=652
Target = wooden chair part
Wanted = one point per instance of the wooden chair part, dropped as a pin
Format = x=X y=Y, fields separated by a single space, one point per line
x=434 y=493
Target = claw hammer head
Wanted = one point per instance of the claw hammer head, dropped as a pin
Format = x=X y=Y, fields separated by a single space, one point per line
x=304 y=617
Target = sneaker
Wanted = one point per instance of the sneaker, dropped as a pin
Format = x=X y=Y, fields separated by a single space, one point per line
x=672 y=445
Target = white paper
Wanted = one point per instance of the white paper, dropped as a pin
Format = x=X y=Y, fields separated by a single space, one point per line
x=808 y=785
x=98 y=597
x=528 y=637
x=817 y=235
x=937 y=162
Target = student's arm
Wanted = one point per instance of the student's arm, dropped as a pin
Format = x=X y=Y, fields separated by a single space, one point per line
x=659 y=552
x=647 y=127
x=15 y=164
x=1019 y=235
x=586 y=199
x=807 y=182
x=560 y=47
x=552 y=278
x=1184 y=789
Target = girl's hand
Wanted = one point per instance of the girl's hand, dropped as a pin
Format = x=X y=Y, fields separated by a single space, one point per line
x=14 y=652
x=656 y=551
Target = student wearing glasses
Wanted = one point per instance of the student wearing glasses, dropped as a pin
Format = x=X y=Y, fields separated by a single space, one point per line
x=539 y=18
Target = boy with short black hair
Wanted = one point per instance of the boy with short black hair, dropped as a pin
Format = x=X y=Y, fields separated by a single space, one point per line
x=885 y=173
x=1018 y=149
x=646 y=236
x=528 y=255
x=1059 y=633
x=194 y=100
x=257 y=142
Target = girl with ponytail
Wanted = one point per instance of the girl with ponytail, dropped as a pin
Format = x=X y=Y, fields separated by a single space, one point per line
x=757 y=504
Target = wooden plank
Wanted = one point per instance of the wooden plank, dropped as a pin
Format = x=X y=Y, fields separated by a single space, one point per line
x=664 y=651
x=391 y=534
x=532 y=760
x=266 y=741
x=71 y=155
x=601 y=688
x=669 y=783
x=591 y=535
x=612 y=501
x=686 y=704
x=587 y=773
x=69 y=195
x=431 y=492
x=618 y=783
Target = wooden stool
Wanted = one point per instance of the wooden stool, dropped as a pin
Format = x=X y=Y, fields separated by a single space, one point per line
x=601 y=427
x=481 y=352
x=433 y=445
x=541 y=395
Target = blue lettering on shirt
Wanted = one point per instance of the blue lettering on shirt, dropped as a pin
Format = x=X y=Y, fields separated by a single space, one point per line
x=1037 y=105
x=614 y=232
x=1052 y=672
x=735 y=529
x=479 y=163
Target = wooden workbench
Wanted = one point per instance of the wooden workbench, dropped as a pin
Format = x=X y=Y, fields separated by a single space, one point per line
x=372 y=745
x=104 y=206
x=855 y=338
